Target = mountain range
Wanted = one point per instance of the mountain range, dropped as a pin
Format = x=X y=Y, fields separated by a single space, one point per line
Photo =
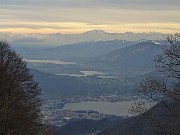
x=114 y=57
x=78 y=50
x=57 y=39
x=137 y=58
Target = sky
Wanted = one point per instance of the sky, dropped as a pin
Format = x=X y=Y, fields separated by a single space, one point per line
x=77 y=16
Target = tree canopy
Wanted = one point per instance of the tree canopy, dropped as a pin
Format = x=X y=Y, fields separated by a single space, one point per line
x=20 y=101
x=164 y=90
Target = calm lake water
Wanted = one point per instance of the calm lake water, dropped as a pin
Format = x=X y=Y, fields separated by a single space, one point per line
x=118 y=109
x=87 y=73
x=51 y=62
x=90 y=73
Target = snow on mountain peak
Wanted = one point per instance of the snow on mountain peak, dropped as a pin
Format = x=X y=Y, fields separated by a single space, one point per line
x=156 y=43
x=96 y=32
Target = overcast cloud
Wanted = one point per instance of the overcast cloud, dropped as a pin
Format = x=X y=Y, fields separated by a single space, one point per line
x=73 y=16
x=132 y=4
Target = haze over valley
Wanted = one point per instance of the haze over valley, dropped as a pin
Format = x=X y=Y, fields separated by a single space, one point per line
x=92 y=71
x=89 y=67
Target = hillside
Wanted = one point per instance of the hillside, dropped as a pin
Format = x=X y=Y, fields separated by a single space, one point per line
x=85 y=126
x=55 y=86
x=78 y=50
x=142 y=125
x=133 y=59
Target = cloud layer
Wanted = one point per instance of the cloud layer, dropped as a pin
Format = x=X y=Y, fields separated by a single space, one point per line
x=75 y=16
x=137 y=4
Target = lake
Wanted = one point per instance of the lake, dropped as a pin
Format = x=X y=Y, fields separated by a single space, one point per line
x=58 y=62
x=90 y=73
x=118 y=109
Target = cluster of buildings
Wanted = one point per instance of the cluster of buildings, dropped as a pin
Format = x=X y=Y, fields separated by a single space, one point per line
x=55 y=114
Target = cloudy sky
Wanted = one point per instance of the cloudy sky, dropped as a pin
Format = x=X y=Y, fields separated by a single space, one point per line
x=77 y=16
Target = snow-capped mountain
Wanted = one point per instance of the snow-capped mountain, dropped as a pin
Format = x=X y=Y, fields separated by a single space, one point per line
x=62 y=39
x=137 y=58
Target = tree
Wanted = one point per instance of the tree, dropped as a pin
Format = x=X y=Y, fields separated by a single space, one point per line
x=20 y=101
x=165 y=90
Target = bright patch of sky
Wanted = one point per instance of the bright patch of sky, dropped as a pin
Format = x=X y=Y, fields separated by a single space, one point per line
x=77 y=16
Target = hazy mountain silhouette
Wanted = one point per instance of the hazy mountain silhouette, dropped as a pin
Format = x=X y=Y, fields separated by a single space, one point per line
x=133 y=59
x=79 y=50
x=57 y=39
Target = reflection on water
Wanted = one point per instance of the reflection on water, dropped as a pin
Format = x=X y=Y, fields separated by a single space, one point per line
x=91 y=73
x=108 y=77
x=118 y=109
x=73 y=75
x=87 y=73
x=51 y=62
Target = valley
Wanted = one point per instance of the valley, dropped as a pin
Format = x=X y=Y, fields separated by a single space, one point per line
x=89 y=67
x=90 y=81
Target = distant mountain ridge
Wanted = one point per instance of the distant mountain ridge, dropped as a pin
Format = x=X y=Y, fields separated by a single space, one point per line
x=78 y=50
x=120 y=56
x=135 y=58
x=57 y=39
